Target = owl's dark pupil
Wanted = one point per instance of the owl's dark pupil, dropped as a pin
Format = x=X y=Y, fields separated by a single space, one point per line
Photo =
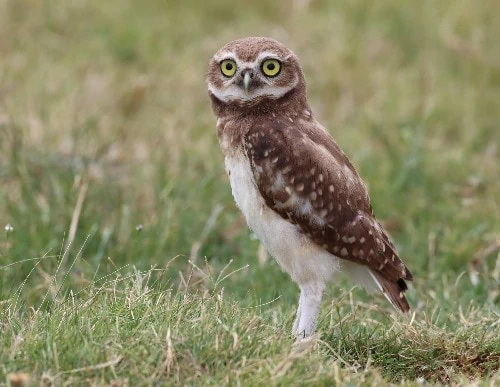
x=270 y=66
x=229 y=66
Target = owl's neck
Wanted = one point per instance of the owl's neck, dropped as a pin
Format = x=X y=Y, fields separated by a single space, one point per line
x=291 y=103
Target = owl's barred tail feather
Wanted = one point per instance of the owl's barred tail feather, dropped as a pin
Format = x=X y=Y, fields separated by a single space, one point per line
x=393 y=291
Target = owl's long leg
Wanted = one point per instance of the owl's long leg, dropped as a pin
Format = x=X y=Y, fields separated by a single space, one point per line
x=309 y=306
x=297 y=319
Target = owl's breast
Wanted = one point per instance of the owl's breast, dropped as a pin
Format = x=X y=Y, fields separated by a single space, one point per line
x=245 y=192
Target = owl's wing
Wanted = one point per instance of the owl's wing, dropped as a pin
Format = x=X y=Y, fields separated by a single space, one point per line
x=304 y=176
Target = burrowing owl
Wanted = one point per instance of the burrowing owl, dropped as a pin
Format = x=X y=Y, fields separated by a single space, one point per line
x=296 y=188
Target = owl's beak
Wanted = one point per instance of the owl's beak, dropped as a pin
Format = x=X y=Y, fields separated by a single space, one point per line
x=246 y=82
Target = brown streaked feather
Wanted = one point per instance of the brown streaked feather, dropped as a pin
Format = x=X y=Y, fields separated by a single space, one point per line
x=305 y=177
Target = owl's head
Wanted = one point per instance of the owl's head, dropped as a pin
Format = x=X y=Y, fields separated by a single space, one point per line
x=254 y=70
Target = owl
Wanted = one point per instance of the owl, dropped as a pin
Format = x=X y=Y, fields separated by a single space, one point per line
x=297 y=190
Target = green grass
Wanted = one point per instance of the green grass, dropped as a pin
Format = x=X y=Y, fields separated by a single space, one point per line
x=105 y=125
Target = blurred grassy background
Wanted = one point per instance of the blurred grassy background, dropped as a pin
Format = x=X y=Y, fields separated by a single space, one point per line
x=104 y=119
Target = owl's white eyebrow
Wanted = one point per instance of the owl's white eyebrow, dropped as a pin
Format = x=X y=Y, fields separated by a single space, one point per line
x=223 y=56
x=263 y=55
x=267 y=55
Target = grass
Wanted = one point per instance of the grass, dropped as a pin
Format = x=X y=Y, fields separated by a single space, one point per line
x=126 y=262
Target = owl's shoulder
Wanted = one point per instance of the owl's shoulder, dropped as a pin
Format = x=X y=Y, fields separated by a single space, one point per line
x=231 y=132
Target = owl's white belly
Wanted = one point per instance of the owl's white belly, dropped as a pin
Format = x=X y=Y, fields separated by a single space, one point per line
x=300 y=257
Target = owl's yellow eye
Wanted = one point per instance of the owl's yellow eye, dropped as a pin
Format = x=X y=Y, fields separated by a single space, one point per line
x=271 y=67
x=228 y=67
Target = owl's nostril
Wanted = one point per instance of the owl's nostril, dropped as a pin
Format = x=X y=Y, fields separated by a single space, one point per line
x=250 y=73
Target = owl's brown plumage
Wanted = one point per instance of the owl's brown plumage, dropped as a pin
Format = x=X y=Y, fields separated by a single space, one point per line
x=302 y=168
x=297 y=189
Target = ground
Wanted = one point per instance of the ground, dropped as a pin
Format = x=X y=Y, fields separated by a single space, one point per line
x=123 y=259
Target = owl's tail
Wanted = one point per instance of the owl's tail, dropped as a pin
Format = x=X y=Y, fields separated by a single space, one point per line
x=393 y=290
x=374 y=281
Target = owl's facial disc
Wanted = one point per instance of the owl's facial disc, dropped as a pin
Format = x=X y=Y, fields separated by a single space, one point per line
x=268 y=76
